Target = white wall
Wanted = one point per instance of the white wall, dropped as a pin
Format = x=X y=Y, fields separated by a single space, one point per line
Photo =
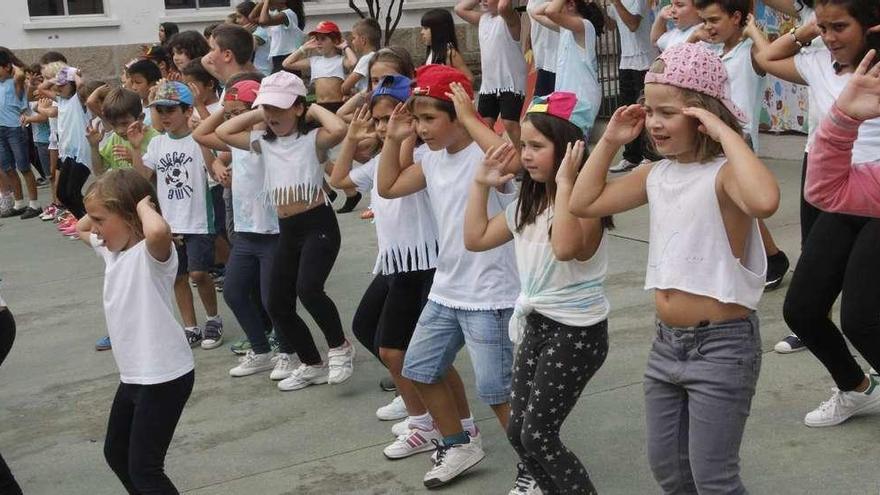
x=136 y=21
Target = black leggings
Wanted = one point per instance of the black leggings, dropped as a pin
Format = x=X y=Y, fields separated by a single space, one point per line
x=553 y=365
x=71 y=179
x=809 y=213
x=307 y=248
x=840 y=254
x=142 y=422
x=390 y=308
x=632 y=84
x=8 y=485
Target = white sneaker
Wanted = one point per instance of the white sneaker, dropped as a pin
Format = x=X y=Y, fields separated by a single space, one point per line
x=252 y=363
x=524 y=484
x=414 y=442
x=341 y=363
x=284 y=366
x=304 y=376
x=475 y=439
x=449 y=462
x=395 y=410
x=844 y=405
x=401 y=428
x=623 y=166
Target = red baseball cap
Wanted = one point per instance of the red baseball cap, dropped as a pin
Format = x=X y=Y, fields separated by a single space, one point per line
x=325 y=27
x=433 y=80
x=245 y=91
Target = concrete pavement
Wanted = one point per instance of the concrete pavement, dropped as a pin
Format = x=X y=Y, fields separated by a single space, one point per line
x=242 y=436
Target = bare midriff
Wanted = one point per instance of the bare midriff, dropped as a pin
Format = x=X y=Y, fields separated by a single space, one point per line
x=683 y=309
x=328 y=90
x=291 y=209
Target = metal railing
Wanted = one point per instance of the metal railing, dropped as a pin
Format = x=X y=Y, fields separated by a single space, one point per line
x=608 y=45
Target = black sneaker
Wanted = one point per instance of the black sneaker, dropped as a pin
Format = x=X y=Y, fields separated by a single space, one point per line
x=194 y=338
x=31 y=213
x=331 y=195
x=350 y=203
x=13 y=212
x=789 y=345
x=777 y=266
x=387 y=384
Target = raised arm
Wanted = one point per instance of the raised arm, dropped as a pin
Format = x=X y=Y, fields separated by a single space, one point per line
x=759 y=41
x=299 y=59
x=629 y=19
x=94 y=137
x=349 y=57
x=479 y=131
x=266 y=18
x=572 y=237
x=205 y=134
x=357 y=132
x=511 y=18
x=332 y=130
x=660 y=25
x=136 y=134
x=468 y=11
x=539 y=15
x=480 y=232
x=745 y=179
x=46 y=109
x=157 y=233
x=786 y=7
x=95 y=100
x=391 y=181
x=236 y=132
x=592 y=195
x=556 y=11
x=777 y=58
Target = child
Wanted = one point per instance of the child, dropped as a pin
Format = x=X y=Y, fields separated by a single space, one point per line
x=544 y=43
x=231 y=51
x=826 y=73
x=285 y=27
x=178 y=164
x=309 y=234
x=256 y=232
x=205 y=89
x=185 y=47
x=327 y=58
x=262 y=38
x=407 y=235
x=143 y=76
x=366 y=37
x=579 y=22
x=706 y=263
x=167 y=30
x=160 y=56
x=387 y=61
x=13 y=137
x=632 y=21
x=155 y=364
x=832 y=183
x=473 y=294
x=39 y=123
x=685 y=20
x=441 y=42
x=121 y=109
x=503 y=88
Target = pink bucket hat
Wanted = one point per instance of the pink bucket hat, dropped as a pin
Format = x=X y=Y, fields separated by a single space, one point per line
x=281 y=90
x=694 y=67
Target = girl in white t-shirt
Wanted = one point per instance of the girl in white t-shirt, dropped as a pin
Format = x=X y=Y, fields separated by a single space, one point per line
x=327 y=59
x=285 y=20
x=151 y=351
x=685 y=20
x=838 y=250
x=560 y=318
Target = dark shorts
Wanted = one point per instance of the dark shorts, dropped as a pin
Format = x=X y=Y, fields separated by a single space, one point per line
x=195 y=253
x=507 y=104
x=333 y=106
x=219 y=210
x=407 y=295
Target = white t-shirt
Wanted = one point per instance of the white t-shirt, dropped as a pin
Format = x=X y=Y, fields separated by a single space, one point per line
x=363 y=68
x=746 y=86
x=72 y=140
x=405 y=228
x=262 y=61
x=636 y=51
x=544 y=41
x=181 y=183
x=675 y=36
x=250 y=212
x=285 y=38
x=464 y=279
x=816 y=68
x=149 y=345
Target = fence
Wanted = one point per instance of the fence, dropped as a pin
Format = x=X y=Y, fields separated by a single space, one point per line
x=609 y=60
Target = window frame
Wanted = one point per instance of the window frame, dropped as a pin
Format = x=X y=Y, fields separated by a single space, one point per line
x=67 y=14
x=195 y=9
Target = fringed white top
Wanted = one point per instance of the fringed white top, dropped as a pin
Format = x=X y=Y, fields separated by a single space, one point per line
x=293 y=171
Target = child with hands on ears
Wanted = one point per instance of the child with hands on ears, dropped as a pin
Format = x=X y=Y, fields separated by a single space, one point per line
x=561 y=312
x=706 y=263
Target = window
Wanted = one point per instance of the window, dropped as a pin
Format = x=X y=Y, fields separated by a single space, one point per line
x=44 y=8
x=195 y=4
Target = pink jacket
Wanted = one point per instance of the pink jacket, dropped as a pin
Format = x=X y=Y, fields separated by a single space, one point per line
x=833 y=182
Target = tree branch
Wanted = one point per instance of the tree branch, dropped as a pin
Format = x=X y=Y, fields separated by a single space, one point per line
x=355 y=8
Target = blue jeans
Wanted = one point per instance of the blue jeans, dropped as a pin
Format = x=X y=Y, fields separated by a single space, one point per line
x=247 y=275
x=699 y=385
x=442 y=331
x=13 y=149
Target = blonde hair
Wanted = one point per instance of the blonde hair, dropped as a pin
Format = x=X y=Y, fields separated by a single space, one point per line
x=119 y=191
x=51 y=70
x=706 y=147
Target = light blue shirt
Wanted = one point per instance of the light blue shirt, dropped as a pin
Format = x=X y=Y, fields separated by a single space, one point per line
x=11 y=104
x=577 y=69
x=72 y=122
x=262 y=60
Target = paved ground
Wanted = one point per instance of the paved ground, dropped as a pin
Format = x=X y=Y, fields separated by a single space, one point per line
x=242 y=436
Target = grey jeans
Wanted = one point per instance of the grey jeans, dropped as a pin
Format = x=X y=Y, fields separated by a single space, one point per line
x=699 y=385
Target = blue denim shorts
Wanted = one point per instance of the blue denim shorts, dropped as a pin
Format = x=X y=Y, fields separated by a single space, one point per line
x=442 y=331
x=14 y=149
x=195 y=253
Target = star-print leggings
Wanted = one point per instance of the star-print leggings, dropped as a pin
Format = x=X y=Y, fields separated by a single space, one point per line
x=553 y=364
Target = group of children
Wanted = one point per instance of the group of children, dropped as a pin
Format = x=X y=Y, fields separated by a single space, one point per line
x=531 y=313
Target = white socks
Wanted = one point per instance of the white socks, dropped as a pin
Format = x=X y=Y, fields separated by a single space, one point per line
x=34 y=204
x=424 y=422
x=19 y=204
x=215 y=318
x=468 y=425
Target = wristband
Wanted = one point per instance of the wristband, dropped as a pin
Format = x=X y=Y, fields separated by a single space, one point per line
x=793 y=33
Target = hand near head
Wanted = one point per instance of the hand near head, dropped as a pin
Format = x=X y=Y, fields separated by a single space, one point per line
x=136 y=133
x=625 y=125
x=710 y=124
x=310 y=44
x=666 y=13
x=464 y=107
x=200 y=98
x=751 y=26
x=122 y=153
x=860 y=99
x=400 y=125
x=571 y=162
x=497 y=160
x=146 y=202
x=93 y=135
x=360 y=126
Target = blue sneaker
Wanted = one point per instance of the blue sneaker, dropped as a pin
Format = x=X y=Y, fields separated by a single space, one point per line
x=103 y=344
x=789 y=345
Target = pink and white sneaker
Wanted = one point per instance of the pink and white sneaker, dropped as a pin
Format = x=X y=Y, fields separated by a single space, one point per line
x=414 y=442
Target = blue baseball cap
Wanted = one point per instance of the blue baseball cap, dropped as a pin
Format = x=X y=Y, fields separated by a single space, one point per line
x=171 y=94
x=396 y=86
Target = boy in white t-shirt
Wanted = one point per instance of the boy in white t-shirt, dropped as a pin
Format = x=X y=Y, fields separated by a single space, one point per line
x=366 y=37
x=685 y=20
x=178 y=164
x=473 y=294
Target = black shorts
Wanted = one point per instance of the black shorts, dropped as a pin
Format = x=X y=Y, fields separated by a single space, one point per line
x=195 y=253
x=333 y=106
x=507 y=104
x=390 y=309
